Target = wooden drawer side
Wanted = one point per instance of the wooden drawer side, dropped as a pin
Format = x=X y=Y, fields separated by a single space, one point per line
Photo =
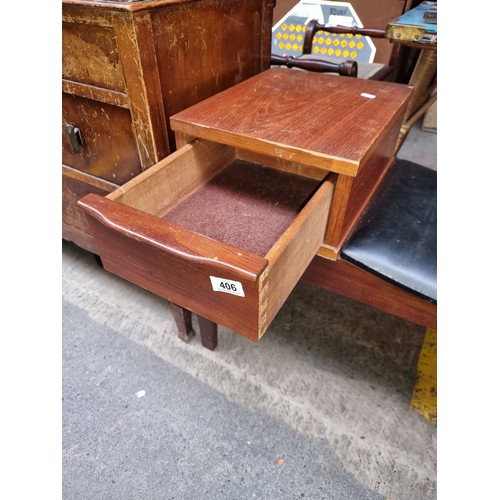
x=174 y=178
x=175 y=263
x=291 y=255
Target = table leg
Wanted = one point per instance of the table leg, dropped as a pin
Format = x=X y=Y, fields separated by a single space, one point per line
x=208 y=333
x=184 y=322
x=423 y=81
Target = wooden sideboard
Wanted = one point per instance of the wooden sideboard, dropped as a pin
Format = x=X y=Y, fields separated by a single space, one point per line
x=127 y=66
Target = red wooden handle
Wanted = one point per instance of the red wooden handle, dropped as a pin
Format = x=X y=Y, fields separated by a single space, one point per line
x=346 y=68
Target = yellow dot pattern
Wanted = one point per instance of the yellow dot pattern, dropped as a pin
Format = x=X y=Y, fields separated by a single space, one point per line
x=289 y=39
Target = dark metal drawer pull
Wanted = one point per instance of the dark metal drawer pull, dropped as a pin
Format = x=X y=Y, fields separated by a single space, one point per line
x=75 y=138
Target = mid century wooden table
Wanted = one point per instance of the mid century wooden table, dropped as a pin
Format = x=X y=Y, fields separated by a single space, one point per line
x=270 y=173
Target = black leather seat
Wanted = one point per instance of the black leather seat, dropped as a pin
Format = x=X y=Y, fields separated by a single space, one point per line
x=396 y=236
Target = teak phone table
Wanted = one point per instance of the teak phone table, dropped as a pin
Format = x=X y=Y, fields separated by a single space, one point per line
x=268 y=174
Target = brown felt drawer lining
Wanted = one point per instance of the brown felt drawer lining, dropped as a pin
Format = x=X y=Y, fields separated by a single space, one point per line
x=246 y=205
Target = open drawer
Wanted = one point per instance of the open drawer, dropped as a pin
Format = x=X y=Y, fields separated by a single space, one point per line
x=215 y=231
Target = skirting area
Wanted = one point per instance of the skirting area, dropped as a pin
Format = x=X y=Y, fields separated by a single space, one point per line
x=320 y=408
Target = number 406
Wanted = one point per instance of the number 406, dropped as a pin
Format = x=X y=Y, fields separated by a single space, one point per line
x=228 y=286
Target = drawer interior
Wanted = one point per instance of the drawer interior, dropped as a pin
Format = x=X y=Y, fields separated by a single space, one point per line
x=207 y=188
x=204 y=215
x=247 y=205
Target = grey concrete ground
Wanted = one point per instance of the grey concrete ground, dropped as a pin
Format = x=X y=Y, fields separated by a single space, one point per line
x=182 y=438
x=318 y=409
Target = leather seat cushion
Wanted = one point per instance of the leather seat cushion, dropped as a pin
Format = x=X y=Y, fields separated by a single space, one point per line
x=396 y=236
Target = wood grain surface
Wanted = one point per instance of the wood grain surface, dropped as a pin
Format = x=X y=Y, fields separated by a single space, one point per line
x=163 y=186
x=331 y=123
x=205 y=47
x=350 y=281
x=75 y=185
x=108 y=149
x=90 y=55
x=127 y=65
x=177 y=263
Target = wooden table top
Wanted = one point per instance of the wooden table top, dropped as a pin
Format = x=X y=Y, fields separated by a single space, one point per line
x=320 y=120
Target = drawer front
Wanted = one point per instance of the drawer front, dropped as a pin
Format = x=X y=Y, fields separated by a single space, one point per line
x=90 y=55
x=103 y=144
x=75 y=185
x=230 y=286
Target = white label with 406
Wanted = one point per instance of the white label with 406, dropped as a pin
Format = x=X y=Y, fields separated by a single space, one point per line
x=227 y=286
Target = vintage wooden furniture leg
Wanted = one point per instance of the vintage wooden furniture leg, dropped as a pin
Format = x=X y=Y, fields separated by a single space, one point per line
x=417 y=28
x=208 y=333
x=366 y=70
x=183 y=321
x=345 y=68
x=423 y=81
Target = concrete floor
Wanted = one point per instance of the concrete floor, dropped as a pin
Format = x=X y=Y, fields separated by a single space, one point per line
x=319 y=409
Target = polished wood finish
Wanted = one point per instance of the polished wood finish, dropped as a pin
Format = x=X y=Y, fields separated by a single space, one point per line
x=330 y=123
x=208 y=333
x=313 y=26
x=352 y=194
x=345 y=279
x=315 y=123
x=346 y=68
x=183 y=320
x=176 y=263
x=341 y=125
x=128 y=65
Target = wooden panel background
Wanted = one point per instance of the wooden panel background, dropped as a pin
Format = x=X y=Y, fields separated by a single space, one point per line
x=205 y=47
